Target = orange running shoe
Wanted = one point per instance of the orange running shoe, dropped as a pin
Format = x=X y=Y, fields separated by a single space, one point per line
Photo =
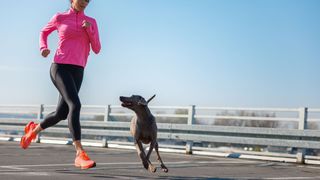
x=83 y=161
x=28 y=127
x=29 y=135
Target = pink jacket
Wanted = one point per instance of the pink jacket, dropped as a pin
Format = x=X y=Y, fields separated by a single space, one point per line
x=74 y=40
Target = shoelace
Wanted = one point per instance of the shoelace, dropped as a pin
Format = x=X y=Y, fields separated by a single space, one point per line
x=84 y=156
x=32 y=127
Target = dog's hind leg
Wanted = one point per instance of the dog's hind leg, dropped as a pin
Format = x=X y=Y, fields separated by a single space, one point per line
x=163 y=167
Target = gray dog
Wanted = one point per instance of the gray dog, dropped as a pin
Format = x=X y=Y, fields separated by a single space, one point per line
x=143 y=129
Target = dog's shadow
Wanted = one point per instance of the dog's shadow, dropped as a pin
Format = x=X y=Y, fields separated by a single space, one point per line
x=113 y=173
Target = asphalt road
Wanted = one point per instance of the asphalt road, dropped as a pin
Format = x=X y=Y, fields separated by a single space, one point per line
x=47 y=161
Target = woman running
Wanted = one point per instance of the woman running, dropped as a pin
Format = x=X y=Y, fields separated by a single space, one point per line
x=76 y=33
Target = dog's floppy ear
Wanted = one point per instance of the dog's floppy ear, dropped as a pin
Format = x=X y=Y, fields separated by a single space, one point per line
x=142 y=102
x=151 y=99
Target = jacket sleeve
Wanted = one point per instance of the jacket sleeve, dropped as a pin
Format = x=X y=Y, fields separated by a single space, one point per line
x=93 y=34
x=51 y=26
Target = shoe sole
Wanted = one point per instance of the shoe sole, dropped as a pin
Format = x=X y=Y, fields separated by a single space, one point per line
x=22 y=145
x=85 y=167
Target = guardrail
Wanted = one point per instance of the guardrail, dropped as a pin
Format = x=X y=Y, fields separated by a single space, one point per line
x=184 y=123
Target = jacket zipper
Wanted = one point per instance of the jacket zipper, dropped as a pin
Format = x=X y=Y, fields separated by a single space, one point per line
x=77 y=21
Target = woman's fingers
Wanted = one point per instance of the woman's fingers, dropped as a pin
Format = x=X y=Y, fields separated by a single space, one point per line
x=85 y=24
x=45 y=52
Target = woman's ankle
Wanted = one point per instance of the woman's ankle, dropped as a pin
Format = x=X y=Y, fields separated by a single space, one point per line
x=78 y=146
x=78 y=152
x=37 y=130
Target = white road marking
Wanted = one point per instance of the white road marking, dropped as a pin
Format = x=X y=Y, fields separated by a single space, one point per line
x=310 y=167
x=26 y=173
x=12 y=167
x=291 y=178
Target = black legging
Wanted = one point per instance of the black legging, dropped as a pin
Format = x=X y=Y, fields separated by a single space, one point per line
x=67 y=79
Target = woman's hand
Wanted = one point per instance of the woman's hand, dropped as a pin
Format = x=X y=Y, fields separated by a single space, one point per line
x=45 y=52
x=85 y=24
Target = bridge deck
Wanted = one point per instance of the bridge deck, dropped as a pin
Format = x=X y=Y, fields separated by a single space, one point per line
x=47 y=161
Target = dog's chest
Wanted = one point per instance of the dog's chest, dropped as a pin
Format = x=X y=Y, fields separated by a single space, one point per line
x=144 y=131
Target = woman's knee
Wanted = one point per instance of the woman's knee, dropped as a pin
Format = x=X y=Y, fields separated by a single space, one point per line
x=75 y=106
x=62 y=115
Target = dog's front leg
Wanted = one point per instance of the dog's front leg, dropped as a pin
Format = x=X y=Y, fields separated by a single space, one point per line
x=150 y=150
x=146 y=163
x=163 y=167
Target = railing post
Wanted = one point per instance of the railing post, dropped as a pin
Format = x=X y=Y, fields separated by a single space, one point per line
x=303 y=117
x=191 y=112
x=107 y=113
x=39 y=117
x=106 y=119
x=40 y=112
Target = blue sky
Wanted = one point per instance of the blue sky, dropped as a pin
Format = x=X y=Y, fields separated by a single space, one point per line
x=236 y=53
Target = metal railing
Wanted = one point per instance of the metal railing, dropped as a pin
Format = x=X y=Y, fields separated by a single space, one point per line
x=189 y=124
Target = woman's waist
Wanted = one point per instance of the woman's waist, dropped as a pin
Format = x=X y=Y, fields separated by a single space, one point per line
x=69 y=59
x=68 y=66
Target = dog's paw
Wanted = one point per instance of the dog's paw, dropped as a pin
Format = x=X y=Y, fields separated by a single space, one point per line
x=164 y=169
x=152 y=168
